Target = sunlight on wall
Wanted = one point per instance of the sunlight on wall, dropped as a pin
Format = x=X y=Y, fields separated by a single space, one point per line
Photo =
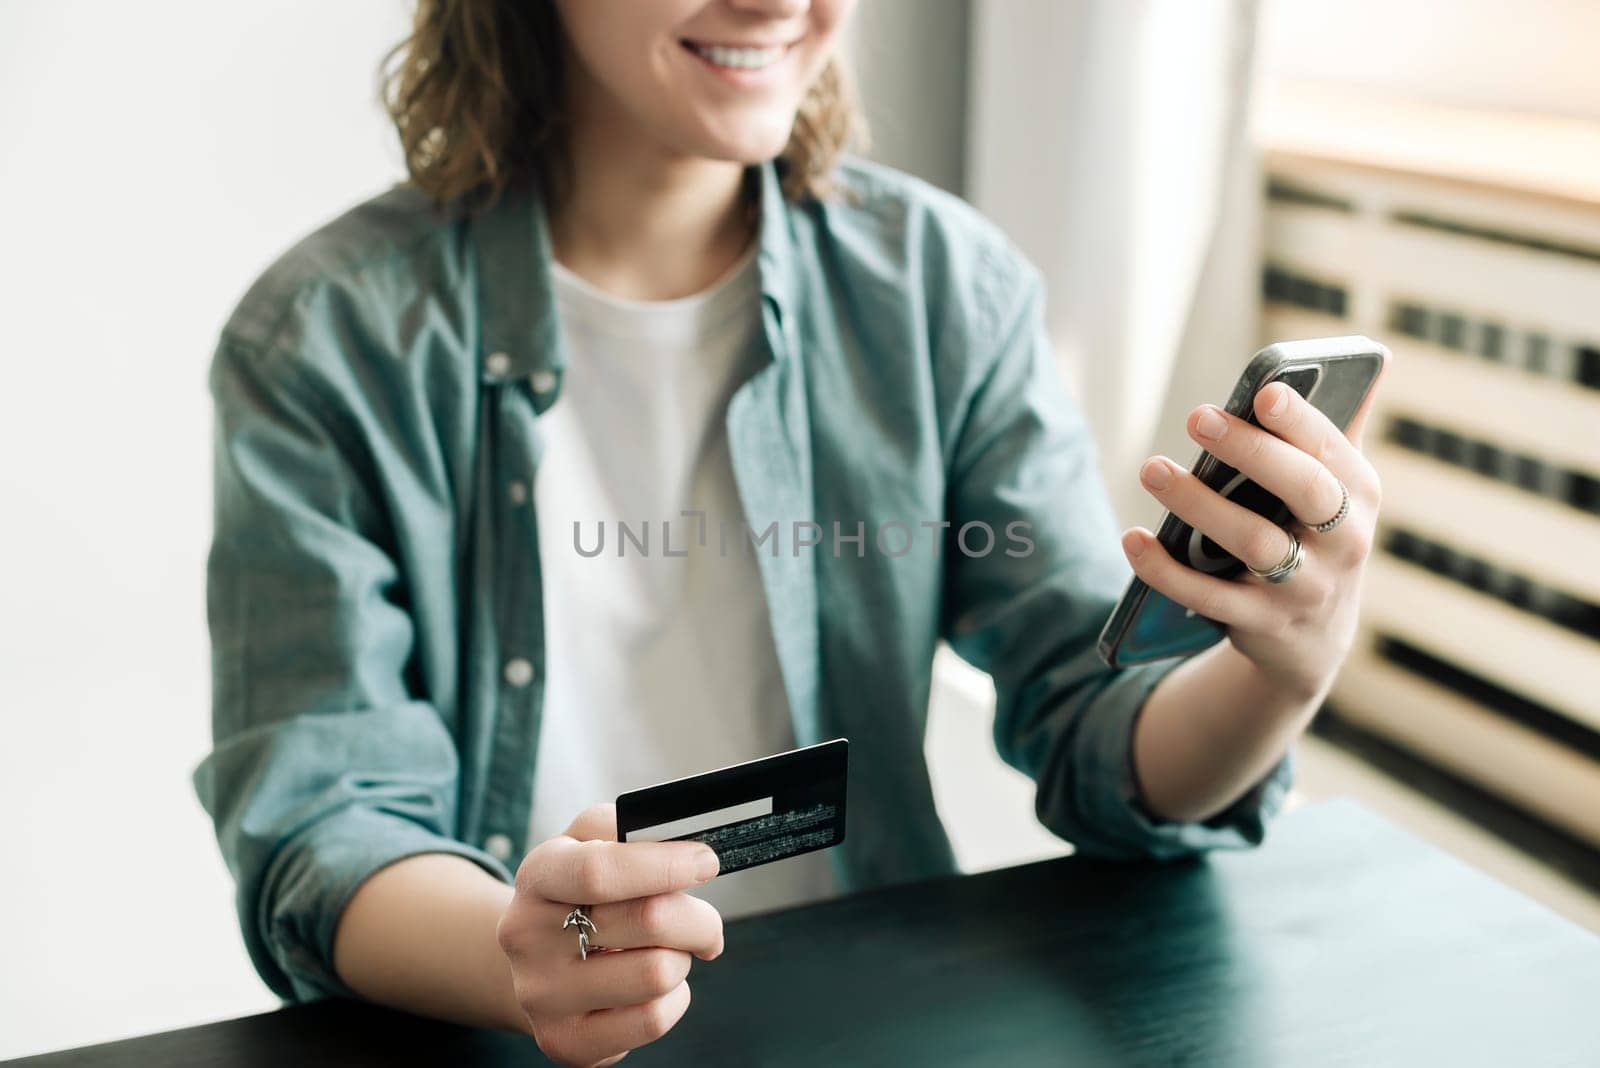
x=1536 y=56
x=157 y=157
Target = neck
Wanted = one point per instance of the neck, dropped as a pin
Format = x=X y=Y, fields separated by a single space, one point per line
x=640 y=221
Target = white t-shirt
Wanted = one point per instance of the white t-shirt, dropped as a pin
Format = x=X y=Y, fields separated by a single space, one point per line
x=657 y=666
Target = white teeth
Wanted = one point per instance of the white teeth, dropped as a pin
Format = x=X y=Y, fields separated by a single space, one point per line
x=739 y=58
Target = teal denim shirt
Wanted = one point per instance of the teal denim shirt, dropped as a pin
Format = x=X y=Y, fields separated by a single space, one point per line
x=374 y=568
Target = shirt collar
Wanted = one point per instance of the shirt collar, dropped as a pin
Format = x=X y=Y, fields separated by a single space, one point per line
x=511 y=240
x=776 y=256
x=515 y=297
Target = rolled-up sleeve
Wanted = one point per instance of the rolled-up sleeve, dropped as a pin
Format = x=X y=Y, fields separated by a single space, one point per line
x=327 y=766
x=1029 y=612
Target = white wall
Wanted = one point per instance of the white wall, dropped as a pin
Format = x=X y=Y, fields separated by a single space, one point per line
x=154 y=157
x=910 y=60
x=1105 y=138
x=1533 y=55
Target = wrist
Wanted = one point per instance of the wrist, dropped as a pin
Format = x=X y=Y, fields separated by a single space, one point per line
x=1287 y=692
x=419 y=935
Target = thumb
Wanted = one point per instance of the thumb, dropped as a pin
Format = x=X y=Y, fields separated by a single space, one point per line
x=595 y=823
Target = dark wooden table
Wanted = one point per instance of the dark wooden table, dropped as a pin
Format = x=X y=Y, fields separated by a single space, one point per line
x=1342 y=941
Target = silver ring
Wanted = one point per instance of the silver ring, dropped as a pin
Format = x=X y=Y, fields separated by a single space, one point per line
x=577 y=918
x=1341 y=515
x=1287 y=566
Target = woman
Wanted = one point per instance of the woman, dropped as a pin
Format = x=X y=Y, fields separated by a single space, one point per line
x=632 y=284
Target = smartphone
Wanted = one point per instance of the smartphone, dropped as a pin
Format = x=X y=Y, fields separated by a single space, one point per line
x=1335 y=374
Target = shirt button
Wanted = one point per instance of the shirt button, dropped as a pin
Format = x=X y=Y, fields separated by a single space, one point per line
x=519 y=672
x=518 y=492
x=542 y=381
x=498 y=364
x=498 y=846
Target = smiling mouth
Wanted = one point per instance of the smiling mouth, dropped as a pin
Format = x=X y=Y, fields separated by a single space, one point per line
x=737 y=57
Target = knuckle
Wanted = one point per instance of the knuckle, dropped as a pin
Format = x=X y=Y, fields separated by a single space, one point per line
x=1211 y=604
x=675 y=870
x=1324 y=441
x=532 y=876
x=661 y=972
x=652 y=916
x=1316 y=596
x=657 y=1018
x=1264 y=545
x=531 y=993
x=1372 y=486
x=1180 y=493
x=590 y=875
x=553 y=1043
x=1151 y=571
x=1361 y=539
x=1253 y=445
x=507 y=934
x=659 y=975
x=1316 y=482
x=527 y=880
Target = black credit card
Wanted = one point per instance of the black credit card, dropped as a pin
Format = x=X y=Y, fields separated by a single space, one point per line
x=750 y=814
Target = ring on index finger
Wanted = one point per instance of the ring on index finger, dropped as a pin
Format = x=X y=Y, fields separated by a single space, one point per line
x=579 y=919
x=1291 y=562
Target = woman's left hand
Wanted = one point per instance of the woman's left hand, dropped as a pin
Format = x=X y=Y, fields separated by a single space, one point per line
x=1296 y=632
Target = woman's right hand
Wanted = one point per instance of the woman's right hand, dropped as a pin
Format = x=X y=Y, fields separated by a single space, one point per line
x=592 y=1012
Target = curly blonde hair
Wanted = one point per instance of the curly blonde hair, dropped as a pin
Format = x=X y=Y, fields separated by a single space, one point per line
x=475 y=93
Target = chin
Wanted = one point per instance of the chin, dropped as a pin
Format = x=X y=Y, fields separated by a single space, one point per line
x=744 y=143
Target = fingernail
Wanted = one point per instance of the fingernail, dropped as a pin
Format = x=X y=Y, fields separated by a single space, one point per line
x=707 y=866
x=1279 y=400
x=1132 y=543
x=1211 y=424
x=1155 y=474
